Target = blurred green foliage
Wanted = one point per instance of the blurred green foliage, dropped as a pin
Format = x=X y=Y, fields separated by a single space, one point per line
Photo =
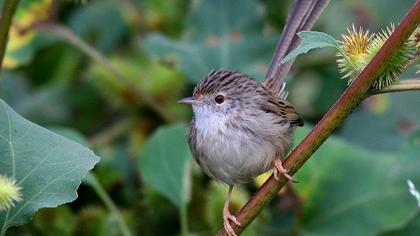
x=24 y=42
x=168 y=150
x=344 y=182
x=225 y=41
x=354 y=185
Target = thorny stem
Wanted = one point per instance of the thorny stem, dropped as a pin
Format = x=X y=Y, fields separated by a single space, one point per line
x=9 y=9
x=348 y=101
x=73 y=39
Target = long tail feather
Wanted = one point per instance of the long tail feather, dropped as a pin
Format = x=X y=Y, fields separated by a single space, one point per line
x=302 y=17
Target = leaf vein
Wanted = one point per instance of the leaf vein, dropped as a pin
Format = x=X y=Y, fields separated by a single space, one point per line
x=38 y=194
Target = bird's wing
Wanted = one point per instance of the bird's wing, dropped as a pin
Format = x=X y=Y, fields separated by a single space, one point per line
x=284 y=109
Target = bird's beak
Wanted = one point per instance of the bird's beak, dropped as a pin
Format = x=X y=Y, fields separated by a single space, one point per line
x=190 y=100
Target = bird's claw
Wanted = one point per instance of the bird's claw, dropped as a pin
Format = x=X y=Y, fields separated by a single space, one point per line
x=278 y=168
x=227 y=217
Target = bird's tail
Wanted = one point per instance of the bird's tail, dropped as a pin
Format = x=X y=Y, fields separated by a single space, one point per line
x=301 y=17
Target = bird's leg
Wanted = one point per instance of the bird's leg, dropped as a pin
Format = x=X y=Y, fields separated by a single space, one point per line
x=278 y=168
x=227 y=216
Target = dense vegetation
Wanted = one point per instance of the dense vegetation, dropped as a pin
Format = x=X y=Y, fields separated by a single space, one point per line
x=107 y=74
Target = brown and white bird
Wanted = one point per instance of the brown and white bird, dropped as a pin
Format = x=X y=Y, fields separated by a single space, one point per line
x=239 y=130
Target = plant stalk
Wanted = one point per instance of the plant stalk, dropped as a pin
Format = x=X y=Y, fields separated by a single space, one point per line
x=9 y=9
x=348 y=101
x=184 y=219
x=399 y=86
x=103 y=195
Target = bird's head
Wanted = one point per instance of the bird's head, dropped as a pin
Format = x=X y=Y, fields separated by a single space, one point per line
x=222 y=93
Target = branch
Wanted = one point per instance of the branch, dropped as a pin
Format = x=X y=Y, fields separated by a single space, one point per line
x=348 y=101
x=9 y=9
x=73 y=39
x=400 y=86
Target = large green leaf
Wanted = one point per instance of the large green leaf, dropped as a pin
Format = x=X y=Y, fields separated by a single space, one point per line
x=351 y=191
x=165 y=163
x=409 y=228
x=411 y=146
x=220 y=34
x=48 y=167
x=412 y=225
x=383 y=121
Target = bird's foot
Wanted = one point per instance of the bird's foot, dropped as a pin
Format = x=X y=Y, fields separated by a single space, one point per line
x=279 y=169
x=227 y=217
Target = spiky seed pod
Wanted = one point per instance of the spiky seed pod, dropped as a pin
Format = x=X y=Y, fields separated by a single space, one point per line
x=354 y=45
x=415 y=42
x=9 y=193
x=396 y=65
x=359 y=47
x=415 y=39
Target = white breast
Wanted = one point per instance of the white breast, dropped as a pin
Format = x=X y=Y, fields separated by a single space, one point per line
x=230 y=155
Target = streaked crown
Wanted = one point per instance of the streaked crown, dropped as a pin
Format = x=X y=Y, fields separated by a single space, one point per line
x=229 y=82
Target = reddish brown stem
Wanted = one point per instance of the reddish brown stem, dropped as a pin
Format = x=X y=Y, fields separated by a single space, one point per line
x=349 y=100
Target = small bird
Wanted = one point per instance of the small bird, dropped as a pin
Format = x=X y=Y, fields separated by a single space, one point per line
x=239 y=130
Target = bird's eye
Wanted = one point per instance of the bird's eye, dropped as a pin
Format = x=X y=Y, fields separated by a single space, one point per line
x=219 y=99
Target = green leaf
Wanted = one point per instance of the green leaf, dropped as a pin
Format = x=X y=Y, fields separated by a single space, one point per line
x=48 y=167
x=311 y=40
x=165 y=163
x=383 y=122
x=218 y=35
x=411 y=227
x=351 y=191
x=70 y=134
x=93 y=182
x=411 y=146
